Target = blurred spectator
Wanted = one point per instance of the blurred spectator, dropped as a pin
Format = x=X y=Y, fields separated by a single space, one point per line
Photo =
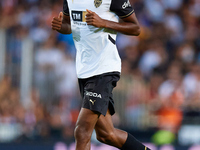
x=191 y=84
x=48 y=59
x=152 y=58
x=171 y=95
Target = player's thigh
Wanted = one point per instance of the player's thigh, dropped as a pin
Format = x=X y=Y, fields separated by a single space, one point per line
x=87 y=118
x=104 y=125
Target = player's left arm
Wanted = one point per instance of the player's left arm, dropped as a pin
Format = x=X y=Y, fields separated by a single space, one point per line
x=128 y=25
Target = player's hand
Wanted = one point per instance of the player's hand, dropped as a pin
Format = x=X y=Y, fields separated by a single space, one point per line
x=93 y=19
x=56 y=23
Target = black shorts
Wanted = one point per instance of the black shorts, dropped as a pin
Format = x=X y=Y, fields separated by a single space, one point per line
x=96 y=92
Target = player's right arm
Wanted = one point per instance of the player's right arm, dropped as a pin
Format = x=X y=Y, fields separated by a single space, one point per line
x=61 y=24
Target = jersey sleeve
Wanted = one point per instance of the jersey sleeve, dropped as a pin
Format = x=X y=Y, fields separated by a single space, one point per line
x=122 y=8
x=65 y=8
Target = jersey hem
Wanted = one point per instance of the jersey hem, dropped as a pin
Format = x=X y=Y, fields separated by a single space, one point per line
x=79 y=77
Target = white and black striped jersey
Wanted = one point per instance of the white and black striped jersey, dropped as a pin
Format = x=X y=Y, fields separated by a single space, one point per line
x=96 y=50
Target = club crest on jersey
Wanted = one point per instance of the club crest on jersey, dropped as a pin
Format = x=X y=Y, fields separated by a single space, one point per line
x=97 y=3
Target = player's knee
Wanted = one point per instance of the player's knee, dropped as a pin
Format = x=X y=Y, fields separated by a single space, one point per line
x=81 y=134
x=106 y=138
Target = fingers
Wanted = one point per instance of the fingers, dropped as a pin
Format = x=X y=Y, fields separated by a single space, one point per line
x=90 y=16
x=60 y=16
x=90 y=23
x=56 y=23
x=56 y=28
x=57 y=19
x=93 y=19
x=90 y=20
x=89 y=11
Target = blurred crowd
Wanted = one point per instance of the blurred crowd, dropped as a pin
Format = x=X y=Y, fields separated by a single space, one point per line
x=160 y=82
x=33 y=122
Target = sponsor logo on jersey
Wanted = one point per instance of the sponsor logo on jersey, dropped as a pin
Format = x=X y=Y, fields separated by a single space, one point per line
x=93 y=94
x=78 y=16
x=126 y=4
x=97 y=3
x=92 y=101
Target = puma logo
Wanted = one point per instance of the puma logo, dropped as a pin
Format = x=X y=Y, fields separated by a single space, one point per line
x=92 y=101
